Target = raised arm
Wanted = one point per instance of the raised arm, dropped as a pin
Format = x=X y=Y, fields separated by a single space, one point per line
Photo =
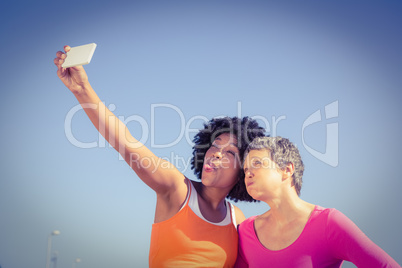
x=157 y=173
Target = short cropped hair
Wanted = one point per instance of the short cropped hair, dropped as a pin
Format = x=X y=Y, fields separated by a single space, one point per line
x=245 y=130
x=282 y=152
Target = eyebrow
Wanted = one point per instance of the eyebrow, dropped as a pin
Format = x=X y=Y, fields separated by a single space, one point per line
x=231 y=143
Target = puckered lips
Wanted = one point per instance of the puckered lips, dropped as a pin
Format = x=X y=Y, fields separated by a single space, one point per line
x=249 y=182
x=209 y=166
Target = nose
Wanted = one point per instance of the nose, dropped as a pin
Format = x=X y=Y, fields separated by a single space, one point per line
x=248 y=174
x=217 y=154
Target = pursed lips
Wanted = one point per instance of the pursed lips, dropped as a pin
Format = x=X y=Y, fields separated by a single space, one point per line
x=249 y=183
x=210 y=166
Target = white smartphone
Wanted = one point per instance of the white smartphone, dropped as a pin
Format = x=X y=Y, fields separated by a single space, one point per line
x=80 y=55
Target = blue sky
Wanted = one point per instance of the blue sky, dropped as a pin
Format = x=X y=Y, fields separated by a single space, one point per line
x=165 y=66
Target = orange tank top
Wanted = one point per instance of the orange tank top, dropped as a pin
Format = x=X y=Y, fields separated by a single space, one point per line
x=187 y=240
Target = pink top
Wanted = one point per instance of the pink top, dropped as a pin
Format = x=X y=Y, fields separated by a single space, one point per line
x=328 y=238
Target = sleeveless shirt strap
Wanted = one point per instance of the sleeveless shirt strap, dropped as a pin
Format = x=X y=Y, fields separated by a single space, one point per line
x=232 y=213
x=189 y=186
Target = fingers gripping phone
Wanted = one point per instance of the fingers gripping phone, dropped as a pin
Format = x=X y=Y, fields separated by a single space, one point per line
x=79 y=55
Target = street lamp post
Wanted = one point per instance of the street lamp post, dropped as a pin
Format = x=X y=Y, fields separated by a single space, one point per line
x=54 y=258
x=49 y=247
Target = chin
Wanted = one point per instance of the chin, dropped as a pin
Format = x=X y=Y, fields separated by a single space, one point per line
x=253 y=194
x=205 y=181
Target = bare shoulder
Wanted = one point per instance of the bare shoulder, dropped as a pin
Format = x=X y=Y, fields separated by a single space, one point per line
x=239 y=215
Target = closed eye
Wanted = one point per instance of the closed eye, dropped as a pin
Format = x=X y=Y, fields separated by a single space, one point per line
x=214 y=146
x=257 y=163
x=232 y=153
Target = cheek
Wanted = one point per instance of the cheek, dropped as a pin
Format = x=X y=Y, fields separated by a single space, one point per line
x=208 y=154
x=232 y=163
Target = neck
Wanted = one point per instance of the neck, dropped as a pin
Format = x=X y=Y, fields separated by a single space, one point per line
x=286 y=207
x=215 y=198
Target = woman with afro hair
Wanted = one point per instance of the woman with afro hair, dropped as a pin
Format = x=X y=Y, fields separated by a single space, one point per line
x=194 y=225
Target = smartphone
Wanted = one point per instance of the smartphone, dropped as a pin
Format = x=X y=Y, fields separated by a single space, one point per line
x=80 y=55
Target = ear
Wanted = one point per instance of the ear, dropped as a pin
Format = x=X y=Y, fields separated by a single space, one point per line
x=289 y=170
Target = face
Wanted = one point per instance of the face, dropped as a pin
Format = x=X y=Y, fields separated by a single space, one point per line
x=221 y=163
x=262 y=175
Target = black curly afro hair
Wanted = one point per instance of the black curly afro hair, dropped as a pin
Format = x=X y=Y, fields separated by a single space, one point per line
x=245 y=130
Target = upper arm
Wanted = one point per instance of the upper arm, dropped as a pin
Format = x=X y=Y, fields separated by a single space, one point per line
x=239 y=215
x=241 y=261
x=160 y=175
x=349 y=243
x=157 y=173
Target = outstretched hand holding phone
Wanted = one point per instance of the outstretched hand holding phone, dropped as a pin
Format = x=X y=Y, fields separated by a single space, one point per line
x=162 y=178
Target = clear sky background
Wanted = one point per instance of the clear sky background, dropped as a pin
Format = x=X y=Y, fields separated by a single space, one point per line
x=165 y=66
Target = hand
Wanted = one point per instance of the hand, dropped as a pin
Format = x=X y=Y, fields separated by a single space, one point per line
x=75 y=78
